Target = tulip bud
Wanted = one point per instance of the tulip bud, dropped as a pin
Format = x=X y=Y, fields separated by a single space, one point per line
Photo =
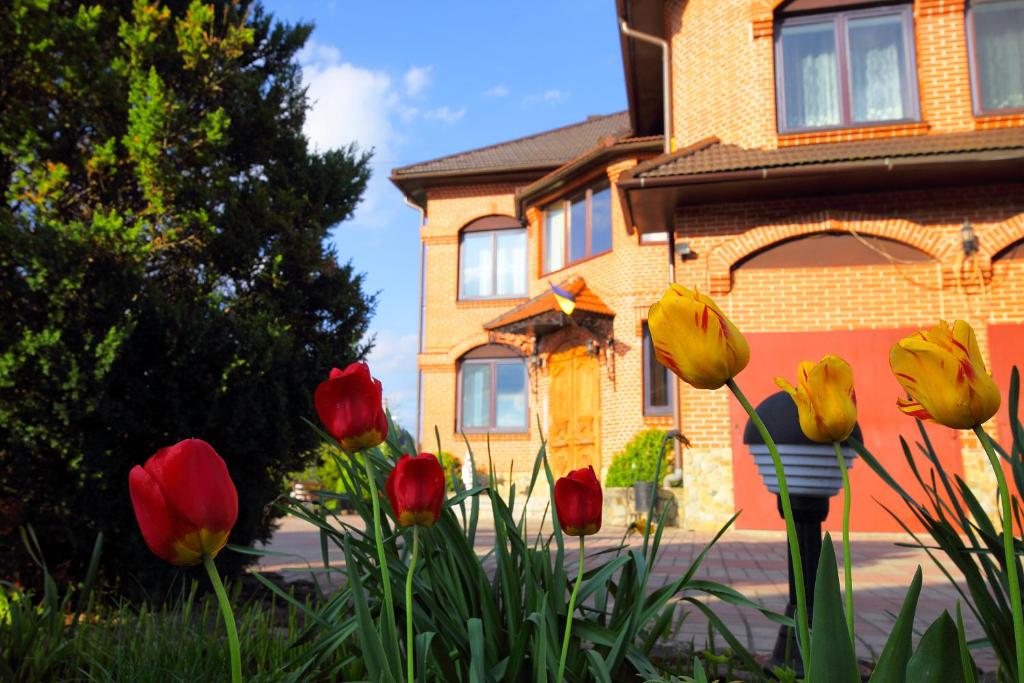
x=416 y=489
x=184 y=501
x=944 y=374
x=350 y=406
x=695 y=340
x=825 y=400
x=578 y=501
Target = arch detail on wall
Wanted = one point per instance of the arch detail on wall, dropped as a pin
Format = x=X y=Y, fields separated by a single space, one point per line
x=996 y=239
x=724 y=257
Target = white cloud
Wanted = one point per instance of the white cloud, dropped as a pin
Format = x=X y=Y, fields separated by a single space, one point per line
x=351 y=103
x=551 y=96
x=417 y=79
x=393 y=362
x=446 y=114
x=500 y=90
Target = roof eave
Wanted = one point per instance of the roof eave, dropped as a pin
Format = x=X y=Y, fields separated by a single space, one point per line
x=565 y=174
x=414 y=185
x=642 y=65
x=653 y=200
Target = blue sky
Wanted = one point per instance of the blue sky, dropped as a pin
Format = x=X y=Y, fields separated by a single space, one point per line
x=418 y=80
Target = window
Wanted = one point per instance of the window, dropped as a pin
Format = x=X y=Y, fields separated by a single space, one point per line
x=577 y=228
x=492 y=262
x=996 y=34
x=658 y=385
x=845 y=69
x=492 y=391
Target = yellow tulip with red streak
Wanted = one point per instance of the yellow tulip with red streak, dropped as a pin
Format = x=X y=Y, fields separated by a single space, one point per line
x=825 y=399
x=694 y=339
x=943 y=372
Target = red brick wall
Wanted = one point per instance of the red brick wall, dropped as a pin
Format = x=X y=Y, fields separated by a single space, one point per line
x=723 y=78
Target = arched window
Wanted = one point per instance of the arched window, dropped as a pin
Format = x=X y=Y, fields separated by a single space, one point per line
x=492 y=259
x=1014 y=251
x=833 y=249
x=995 y=35
x=846 y=68
x=492 y=394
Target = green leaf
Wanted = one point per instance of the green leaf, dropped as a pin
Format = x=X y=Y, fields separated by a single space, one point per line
x=892 y=665
x=966 y=662
x=937 y=659
x=832 y=657
x=698 y=672
x=475 y=630
x=422 y=648
x=596 y=665
x=373 y=648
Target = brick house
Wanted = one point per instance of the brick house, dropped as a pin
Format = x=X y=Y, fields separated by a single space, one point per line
x=836 y=174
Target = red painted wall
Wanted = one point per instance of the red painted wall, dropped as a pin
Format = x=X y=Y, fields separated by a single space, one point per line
x=867 y=351
x=1006 y=349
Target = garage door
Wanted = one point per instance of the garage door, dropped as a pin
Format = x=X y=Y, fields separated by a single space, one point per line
x=867 y=351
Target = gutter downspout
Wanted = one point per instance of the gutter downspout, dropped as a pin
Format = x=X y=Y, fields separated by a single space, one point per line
x=666 y=90
x=677 y=475
x=419 y=348
x=669 y=147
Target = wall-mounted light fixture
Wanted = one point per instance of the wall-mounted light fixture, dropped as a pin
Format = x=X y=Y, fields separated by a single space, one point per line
x=683 y=250
x=968 y=239
x=593 y=348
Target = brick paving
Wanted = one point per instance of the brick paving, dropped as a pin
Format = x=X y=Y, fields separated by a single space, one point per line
x=753 y=562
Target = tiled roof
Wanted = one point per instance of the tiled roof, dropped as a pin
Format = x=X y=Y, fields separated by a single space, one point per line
x=550 y=148
x=586 y=301
x=711 y=156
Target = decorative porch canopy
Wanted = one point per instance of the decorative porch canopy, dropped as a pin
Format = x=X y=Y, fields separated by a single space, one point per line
x=542 y=315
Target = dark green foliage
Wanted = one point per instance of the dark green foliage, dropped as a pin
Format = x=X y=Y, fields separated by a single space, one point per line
x=639 y=460
x=163 y=270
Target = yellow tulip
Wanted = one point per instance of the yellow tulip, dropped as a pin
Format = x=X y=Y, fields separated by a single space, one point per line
x=943 y=372
x=695 y=340
x=824 y=399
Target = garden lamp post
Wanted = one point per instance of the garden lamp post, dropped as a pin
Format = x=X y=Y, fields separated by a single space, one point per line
x=813 y=475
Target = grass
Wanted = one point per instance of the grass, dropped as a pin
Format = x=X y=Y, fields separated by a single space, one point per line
x=183 y=640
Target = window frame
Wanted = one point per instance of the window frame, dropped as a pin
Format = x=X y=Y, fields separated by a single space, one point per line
x=650 y=361
x=840 y=21
x=972 y=63
x=566 y=205
x=493 y=233
x=492 y=364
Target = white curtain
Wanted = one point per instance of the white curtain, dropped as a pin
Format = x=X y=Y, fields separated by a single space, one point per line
x=881 y=98
x=999 y=31
x=820 y=90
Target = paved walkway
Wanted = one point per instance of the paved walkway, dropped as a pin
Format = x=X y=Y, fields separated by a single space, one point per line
x=753 y=562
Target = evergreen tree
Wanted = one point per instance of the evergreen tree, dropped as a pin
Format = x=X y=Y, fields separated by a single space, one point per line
x=163 y=267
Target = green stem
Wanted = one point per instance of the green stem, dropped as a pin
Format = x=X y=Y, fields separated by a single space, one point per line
x=1008 y=550
x=787 y=514
x=847 y=561
x=568 y=616
x=385 y=575
x=229 y=619
x=409 y=645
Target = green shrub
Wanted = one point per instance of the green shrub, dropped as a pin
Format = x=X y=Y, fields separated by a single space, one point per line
x=639 y=460
x=452 y=466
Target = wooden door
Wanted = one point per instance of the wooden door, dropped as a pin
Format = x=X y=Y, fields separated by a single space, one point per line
x=575 y=410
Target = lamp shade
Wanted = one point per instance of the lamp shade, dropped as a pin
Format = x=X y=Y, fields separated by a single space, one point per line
x=811 y=468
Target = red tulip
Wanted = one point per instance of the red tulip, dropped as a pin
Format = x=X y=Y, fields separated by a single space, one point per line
x=578 y=501
x=184 y=501
x=349 y=404
x=415 y=488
